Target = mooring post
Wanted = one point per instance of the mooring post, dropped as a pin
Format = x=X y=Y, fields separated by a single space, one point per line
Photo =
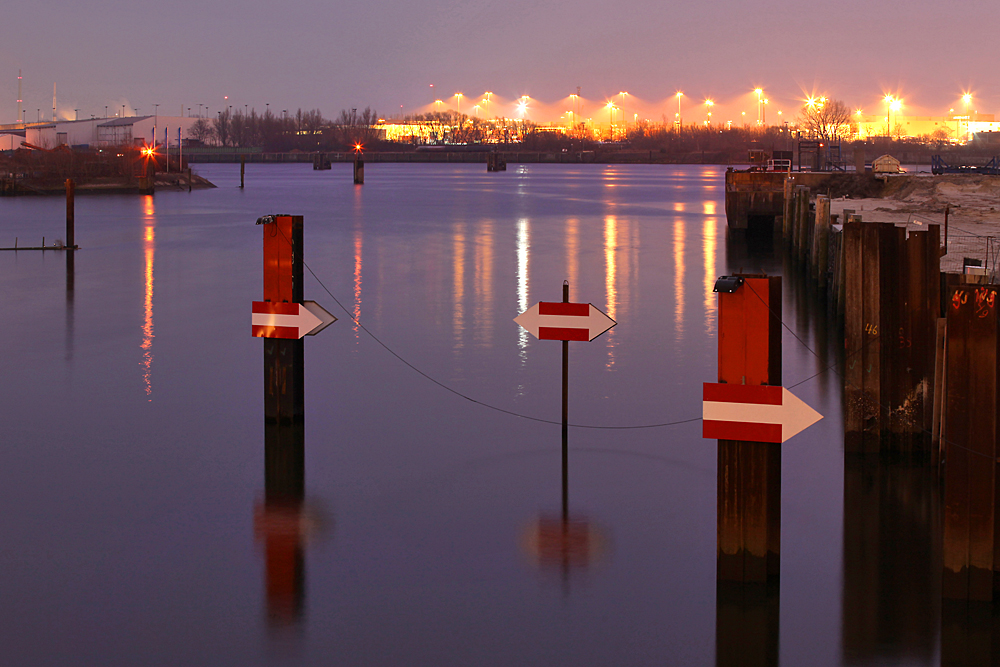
x=970 y=438
x=190 y=179
x=821 y=240
x=359 y=170
x=70 y=214
x=279 y=520
x=786 y=218
x=243 y=169
x=749 y=473
x=749 y=485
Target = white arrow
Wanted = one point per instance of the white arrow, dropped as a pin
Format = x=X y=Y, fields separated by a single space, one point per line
x=325 y=318
x=554 y=320
x=754 y=413
x=288 y=320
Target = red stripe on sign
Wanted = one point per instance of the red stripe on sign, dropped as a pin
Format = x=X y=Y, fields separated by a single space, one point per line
x=563 y=333
x=750 y=431
x=559 y=308
x=275 y=308
x=260 y=331
x=741 y=393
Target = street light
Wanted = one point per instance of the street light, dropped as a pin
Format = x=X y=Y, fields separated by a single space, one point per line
x=679 y=96
x=967 y=98
x=708 y=109
x=488 y=95
x=888 y=99
x=624 y=119
x=759 y=92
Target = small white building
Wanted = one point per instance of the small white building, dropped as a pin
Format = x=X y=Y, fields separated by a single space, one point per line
x=99 y=132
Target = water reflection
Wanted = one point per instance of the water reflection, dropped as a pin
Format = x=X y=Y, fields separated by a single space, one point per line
x=746 y=624
x=679 y=232
x=523 y=242
x=358 y=246
x=572 y=250
x=710 y=248
x=970 y=634
x=149 y=250
x=458 y=282
x=564 y=543
x=892 y=561
x=483 y=312
x=281 y=523
x=610 y=275
x=70 y=296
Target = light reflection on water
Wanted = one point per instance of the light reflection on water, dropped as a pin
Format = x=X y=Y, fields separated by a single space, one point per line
x=149 y=253
x=125 y=510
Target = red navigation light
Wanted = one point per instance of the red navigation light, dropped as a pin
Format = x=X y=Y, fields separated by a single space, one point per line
x=358 y=147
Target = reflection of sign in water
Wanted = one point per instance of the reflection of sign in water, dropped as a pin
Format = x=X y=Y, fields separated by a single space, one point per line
x=757 y=413
x=552 y=320
x=572 y=542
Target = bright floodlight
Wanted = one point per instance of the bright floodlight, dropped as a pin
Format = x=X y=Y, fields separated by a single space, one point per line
x=896 y=104
x=967 y=98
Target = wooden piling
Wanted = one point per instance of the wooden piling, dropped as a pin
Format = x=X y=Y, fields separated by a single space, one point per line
x=786 y=218
x=749 y=473
x=243 y=169
x=821 y=239
x=359 y=171
x=970 y=439
x=278 y=521
x=70 y=214
x=892 y=286
x=939 y=389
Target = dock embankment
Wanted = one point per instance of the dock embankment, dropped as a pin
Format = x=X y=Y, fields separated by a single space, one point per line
x=921 y=329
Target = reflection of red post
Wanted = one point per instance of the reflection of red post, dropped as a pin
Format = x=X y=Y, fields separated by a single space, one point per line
x=278 y=522
x=749 y=474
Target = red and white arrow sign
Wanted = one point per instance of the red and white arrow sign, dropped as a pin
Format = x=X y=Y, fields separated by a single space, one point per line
x=754 y=413
x=554 y=320
x=289 y=320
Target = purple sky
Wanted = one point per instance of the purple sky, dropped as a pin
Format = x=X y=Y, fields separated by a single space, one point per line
x=386 y=53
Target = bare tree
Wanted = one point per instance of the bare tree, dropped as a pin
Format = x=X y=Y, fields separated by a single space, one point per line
x=201 y=130
x=223 y=127
x=352 y=128
x=825 y=119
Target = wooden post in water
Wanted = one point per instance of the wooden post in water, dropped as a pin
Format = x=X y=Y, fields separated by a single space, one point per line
x=789 y=207
x=749 y=473
x=278 y=522
x=749 y=485
x=821 y=241
x=892 y=288
x=802 y=227
x=359 y=170
x=970 y=442
x=70 y=214
x=243 y=169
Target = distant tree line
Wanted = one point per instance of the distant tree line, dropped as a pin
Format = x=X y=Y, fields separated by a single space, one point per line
x=310 y=131
x=303 y=130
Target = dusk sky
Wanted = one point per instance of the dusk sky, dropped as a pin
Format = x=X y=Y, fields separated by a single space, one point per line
x=387 y=53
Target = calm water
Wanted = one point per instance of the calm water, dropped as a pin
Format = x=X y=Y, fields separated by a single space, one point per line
x=132 y=471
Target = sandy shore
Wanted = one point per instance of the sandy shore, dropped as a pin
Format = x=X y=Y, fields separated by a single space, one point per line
x=920 y=199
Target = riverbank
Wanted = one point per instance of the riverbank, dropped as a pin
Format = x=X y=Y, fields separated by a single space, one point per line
x=972 y=203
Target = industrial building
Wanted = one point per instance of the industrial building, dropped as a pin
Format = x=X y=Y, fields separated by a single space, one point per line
x=98 y=132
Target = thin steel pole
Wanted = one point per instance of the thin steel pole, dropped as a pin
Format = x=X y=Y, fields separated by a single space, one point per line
x=565 y=417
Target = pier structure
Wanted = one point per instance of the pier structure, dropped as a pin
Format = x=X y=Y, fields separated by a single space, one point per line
x=921 y=364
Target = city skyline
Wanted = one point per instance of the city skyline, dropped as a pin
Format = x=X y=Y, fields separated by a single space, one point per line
x=386 y=55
